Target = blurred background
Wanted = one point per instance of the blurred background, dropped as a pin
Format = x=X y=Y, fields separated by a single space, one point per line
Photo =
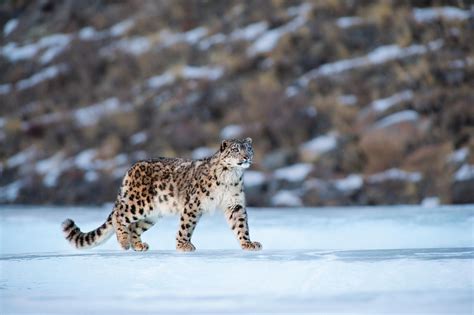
x=348 y=102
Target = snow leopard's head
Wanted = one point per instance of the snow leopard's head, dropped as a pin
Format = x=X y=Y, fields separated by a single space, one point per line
x=237 y=152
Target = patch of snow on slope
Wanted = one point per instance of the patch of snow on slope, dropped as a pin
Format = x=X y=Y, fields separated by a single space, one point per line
x=22 y=157
x=348 y=100
x=9 y=193
x=210 y=41
x=186 y=72
x=231 y=132
x=294 y=173
x=91 y=176
x=254 y=178
x=301 y=9
x=85 y=159
x=350 y=183
x=10 y=26
x=202 y=152
x=5 y=88
x=383 y=104
x=89 y=33
x=250 y=32
x=379 y=55
x=51 y=45
x=247 y=33
x=191 y=37
x=43 y=75
x=392 y=52
x=286 y=198
x=397 y=118
x=394 y=174
x=447 y=13
x=138 y=138
x=51 y=168
x=13 y=52
x=88 y=161
x=268 y=40
x=461 y=63
x=120 y=159
x=90 y=115
x=459 y=155
x=116 y=30
x=209 y=73
x=136 y=45
x=466 y=172
x=54 y=45
x=349 y=21
x=320 y=145
x=121 y=28
x=291 y=91
x=159 y=81
x=430 y=202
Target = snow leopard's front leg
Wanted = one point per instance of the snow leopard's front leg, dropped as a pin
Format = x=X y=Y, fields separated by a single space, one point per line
x=237 y=219
x=189 y=219
x=136 y=230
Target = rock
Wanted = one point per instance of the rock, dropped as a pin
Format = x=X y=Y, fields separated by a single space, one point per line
x=462 y=190
x=256 y=187
x=286 y=198
x=312 y=150
x=384 y=147
x=276 y=159
x=393 y=186
x=294 y=173
x=324 y=193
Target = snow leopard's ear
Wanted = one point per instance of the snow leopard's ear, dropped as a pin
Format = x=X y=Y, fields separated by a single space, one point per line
x=248 y=140
x=224 y=145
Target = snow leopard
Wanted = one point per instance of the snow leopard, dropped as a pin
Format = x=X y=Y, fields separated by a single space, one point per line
x=188 y=188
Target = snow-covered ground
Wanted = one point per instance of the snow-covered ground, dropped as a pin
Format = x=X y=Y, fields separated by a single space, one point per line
x=397 y=260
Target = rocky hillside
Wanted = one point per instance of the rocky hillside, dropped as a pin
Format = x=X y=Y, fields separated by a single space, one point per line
x=348 y=102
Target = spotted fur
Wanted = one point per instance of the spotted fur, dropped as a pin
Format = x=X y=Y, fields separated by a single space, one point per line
x=187 y=188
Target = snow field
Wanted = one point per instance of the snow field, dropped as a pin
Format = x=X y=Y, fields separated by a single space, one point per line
x=335 y=260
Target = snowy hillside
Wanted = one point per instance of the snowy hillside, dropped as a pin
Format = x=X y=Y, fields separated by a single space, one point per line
x=403 y=260
x=348 y=102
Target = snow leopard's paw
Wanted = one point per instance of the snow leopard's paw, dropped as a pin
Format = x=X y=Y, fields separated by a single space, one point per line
x=140 y=246
x=185 y=247
x=253 y=246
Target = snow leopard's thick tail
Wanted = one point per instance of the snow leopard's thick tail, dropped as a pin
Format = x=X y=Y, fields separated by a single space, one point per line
x=81 y=240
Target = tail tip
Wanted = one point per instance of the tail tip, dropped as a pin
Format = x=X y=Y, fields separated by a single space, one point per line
x=67 y=225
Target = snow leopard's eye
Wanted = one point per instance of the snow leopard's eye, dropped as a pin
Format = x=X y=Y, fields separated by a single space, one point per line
x=235 y=149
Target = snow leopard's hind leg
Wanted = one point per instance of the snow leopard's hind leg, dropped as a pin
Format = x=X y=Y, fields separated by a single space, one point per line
x=119 y=220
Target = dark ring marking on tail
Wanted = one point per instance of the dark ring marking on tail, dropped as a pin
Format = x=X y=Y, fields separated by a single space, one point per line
x=70 y=229
x=78 y=239
x=68 y=224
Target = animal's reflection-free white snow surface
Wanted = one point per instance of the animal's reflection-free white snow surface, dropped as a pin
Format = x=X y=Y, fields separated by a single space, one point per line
x=405 y=260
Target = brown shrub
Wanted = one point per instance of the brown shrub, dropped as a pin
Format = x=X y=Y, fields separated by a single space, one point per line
x=282 y=122
x=382 y=151
x=384 y=148
x=430 y=160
